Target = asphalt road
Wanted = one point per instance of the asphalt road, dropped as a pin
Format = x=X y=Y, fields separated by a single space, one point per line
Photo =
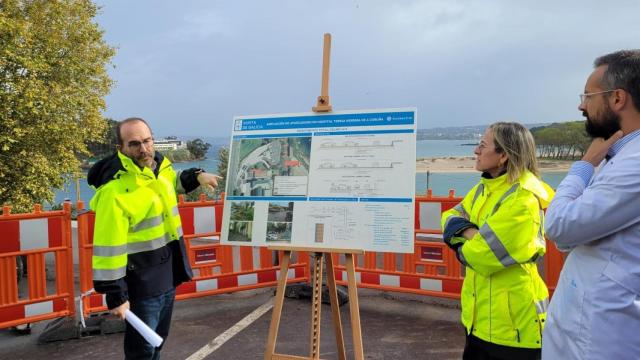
x=394 y=326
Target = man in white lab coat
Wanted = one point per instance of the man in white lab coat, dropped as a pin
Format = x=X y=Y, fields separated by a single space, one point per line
x=595 y=215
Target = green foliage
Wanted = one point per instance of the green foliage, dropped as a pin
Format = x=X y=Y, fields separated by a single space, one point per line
x=223 y=165
x=247 y=146
x=242 y=210
x=53 y=80
x=566 y=140
x=74 y=210
x=223 y=162
x=198 y=148
x=106 y=145
x=178 y=155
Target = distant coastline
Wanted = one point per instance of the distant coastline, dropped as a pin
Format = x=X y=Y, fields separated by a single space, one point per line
x=466 y=164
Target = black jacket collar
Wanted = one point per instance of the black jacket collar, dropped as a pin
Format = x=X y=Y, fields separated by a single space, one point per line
x=104 y=170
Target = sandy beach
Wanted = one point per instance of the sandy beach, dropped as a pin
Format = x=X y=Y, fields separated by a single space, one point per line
x=451 y=164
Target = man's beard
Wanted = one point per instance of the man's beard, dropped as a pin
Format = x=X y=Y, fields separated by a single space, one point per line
x=607 y=125
x=145 y=160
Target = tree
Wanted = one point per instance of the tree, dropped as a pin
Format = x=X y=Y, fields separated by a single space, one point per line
x=100 y=148
x=198 y=148
x=53 y=80
x=561 y=140
x=223 y=163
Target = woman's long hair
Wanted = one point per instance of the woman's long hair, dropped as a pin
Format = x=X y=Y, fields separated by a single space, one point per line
x=517 y=142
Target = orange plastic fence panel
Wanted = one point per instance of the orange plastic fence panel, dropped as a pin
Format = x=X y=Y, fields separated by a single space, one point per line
x=64 y=259
x=304 y=261
x=553 y=261
x=37 y=276
x=370 y=260
x=408 y=265
x=95 y=302
x=266 y=258
x=227 y=259
x=246 y=258
x=389 y=261
x=8 y=275
x=31 y=236
x=336 y=259
x=206 y=271
x=92 y=303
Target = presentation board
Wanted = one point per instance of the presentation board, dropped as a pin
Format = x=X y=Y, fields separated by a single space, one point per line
x=343 y=180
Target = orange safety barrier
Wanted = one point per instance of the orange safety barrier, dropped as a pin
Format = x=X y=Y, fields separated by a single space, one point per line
x=217 y=268
x=553 y=261
x=35 y=237
x=432 y=269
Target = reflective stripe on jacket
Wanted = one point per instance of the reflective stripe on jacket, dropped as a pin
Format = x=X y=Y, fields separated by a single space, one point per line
x=136 y=212
x=504 y=300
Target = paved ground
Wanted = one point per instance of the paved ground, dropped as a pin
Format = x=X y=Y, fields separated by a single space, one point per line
x=394 y=326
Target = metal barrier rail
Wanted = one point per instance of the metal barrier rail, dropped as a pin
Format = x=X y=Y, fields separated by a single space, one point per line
x=23 y=240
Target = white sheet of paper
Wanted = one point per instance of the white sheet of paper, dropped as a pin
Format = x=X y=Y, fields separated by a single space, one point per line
x=151 y=336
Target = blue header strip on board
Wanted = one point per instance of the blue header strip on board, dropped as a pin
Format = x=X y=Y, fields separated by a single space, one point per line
x=321 y=121
x=269 y=198
x=332 y=199
x=261 y=136
x=401 y=200
x=408 y=131
x=317 y=198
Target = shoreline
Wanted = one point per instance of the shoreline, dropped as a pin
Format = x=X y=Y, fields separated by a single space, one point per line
x=466 y=164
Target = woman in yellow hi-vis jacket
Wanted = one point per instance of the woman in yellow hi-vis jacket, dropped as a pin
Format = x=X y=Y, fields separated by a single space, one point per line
x=497 y=234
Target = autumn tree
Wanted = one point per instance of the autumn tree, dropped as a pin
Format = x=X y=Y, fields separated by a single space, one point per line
x=198 y=148
x=105 y=146
x=53 y=80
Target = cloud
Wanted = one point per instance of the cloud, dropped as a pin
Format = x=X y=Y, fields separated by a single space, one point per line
x=200 y=25
x=193 y=67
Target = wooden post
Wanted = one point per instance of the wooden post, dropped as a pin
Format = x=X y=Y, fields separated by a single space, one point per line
x=277 y=306
x=354 y=307
x=324 y=105
x=316 y=306
x=335 y=307
x=77 y=183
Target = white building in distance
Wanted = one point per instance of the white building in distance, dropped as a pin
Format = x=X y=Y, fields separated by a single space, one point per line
x=169 y=143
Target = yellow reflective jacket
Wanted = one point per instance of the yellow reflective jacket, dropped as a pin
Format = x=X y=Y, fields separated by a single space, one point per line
x=504 y=299
x=138 y=249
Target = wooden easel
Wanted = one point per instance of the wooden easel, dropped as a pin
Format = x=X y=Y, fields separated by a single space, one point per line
x=323 y=105
x=316 y=283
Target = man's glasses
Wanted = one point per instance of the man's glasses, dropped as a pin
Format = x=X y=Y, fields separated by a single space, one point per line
x=134 y=144
x=585 y=96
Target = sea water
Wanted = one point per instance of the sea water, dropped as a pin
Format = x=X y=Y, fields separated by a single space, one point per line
x=440 y=183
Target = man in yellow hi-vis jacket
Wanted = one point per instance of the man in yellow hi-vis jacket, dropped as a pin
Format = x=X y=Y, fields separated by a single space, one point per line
x=139 y=255
x=497 y=233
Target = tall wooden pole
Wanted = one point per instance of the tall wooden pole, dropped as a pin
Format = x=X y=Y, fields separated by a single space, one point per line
x=324 y=105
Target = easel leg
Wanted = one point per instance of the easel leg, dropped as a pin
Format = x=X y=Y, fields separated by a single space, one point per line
x=354 y=308
x=316 y=283
x=335 y=307
x=277 y=306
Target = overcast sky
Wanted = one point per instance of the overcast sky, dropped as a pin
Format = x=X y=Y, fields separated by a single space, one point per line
x=188 y=67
